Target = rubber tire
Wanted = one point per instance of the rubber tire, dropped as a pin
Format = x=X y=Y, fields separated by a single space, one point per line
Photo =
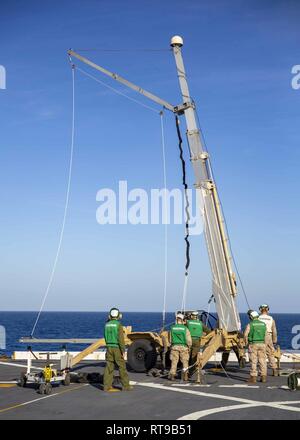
x=48 y=388
x=23 y=380
x=141 y=355
x=42 y=388
x=67 y=380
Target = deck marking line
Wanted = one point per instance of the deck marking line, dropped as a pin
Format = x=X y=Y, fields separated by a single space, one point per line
x=280 y=405
x=239 y=386
x=190 y=385
x=8 y=381
x=7 y=385
x=40 y=398
x=204 y=413
x=207 y=412
x=20 y=365
x=197 y=393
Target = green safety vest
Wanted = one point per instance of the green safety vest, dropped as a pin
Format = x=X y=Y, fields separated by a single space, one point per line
x=111 y=333
x=257 y=332
x=195 y=327
x=178 y=334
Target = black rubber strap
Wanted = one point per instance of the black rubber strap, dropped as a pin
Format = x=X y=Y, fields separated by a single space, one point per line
x=187 y=204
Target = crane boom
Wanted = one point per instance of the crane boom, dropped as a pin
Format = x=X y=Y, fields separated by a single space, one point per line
x=122 y=80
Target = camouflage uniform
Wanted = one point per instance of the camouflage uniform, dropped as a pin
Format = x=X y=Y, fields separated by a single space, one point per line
x=271 y=339
x=180 y=351
x=257 y=350
x=257 y=355
x=196 y=330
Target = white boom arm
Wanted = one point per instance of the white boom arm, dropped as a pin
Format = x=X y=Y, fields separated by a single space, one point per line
x=223 y=278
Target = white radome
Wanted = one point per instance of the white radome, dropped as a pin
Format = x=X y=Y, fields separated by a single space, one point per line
x=176 y=41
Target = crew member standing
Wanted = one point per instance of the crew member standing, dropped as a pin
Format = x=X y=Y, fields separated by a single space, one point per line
x=181 y=343
x=255 y=334
x=271 y=337
x=195 y=327
x=114 y=340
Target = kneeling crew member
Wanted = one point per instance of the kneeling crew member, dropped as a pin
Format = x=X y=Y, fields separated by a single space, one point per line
x=181 y=343
x=271 y=337
x=114 y=340
x=195 y=327
x=255 y=334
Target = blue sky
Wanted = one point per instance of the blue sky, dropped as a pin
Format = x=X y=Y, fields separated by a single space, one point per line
x=239 y=56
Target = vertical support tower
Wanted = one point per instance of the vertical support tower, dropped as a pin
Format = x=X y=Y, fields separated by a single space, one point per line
x=223 y=278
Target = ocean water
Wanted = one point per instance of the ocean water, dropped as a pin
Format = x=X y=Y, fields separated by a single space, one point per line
x=90 y=325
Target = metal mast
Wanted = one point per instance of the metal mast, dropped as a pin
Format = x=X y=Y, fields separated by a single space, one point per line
x=223 y=277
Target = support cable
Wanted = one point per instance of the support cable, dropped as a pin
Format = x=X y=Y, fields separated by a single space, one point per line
x=187 y=215
x=98 y=49
x=66 y=206
x=165 y=219
x=116 y=90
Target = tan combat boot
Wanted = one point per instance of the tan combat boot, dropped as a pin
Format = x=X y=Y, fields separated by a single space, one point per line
x=111 y=390
x=129 y=388
x=185 y=376
x=171 y=377
x=275 y=372
x=263 y=379
x=252 y=379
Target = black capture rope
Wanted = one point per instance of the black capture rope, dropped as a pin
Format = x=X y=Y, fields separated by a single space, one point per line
x=187 y=204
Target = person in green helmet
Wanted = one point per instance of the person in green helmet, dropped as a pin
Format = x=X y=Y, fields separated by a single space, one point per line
x=114 y=340
x=181 y=343
x=195 y=327
x=255 y=336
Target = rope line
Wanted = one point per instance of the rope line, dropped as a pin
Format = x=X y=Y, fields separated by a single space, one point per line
x=165 y=214
x=66 y=206
x=187 y=214
x=98 y=49
x=117 y=90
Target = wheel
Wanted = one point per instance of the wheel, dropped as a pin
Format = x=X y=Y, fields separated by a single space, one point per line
x=23 y=380
x=48 y=388
x=141 y=355
x=67 y=380
x=42 y=388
